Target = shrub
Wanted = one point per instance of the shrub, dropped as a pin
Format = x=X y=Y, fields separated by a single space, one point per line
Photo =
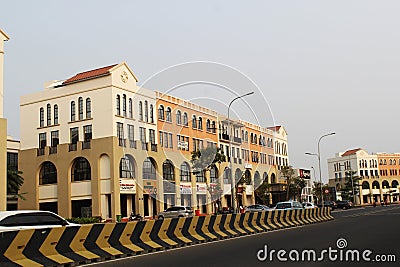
x=85 y=220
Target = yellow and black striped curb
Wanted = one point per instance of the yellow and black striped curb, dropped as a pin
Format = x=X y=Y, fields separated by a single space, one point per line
x=69 y=246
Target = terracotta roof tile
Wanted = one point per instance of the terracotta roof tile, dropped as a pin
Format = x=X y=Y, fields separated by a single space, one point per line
x=86 y=75
x=350 y=152
x=275 y=128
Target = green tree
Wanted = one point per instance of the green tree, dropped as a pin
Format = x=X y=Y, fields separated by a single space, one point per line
x=317 y=190
x=262 y=193
x=351 y=180
x=296 y=186
x=203 y=160
x=14 y=183
x=288 y=173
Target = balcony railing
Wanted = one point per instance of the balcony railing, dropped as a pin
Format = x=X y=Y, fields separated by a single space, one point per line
x=122 y=142
x=154 y=147
x=132 y=144
x=53 y=150
x=72 y=147
x=40 y=151
x=144 y=146
x=86 y=144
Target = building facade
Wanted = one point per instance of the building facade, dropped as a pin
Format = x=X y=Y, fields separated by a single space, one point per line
x=378 y=173
x=97 y=144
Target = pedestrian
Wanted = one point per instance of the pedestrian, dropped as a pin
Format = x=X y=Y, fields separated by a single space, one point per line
x=374 y=204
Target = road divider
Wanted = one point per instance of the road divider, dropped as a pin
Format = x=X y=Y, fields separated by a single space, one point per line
x=68 y=246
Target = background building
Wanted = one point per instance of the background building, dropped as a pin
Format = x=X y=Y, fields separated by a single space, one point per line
x=378 y=173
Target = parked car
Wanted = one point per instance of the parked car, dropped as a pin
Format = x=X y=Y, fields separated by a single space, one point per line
x=344 y=204
x=309 y=205
x=31 y=219
x=227 y=210
x=257 y=207
x=288 y=205
x=331 y=204
x=175 y=212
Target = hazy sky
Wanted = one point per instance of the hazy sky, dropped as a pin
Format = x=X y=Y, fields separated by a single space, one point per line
x=322 y=66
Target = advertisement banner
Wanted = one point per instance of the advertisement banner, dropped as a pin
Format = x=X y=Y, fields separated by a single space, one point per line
x=186 y=189
x=127 y=186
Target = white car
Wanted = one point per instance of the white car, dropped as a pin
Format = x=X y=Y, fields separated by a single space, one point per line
x=30 y=219
x=309 y=205
x=289 y=205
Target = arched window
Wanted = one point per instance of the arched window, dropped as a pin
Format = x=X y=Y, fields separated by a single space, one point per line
x=41 y=117
x=56 y=114
x=168 y=114
x=168 y=171
x=118 y=105
x=365 y=185
x=88 y=108
x=146 y=111
x=140 y=111
x=251 y=138
x=208 y=125
x=80 y=108
x=161 y=112
x=127 y=167
x=227 y=176
x=130 y=108
x=48 y=173
x=394 y=162
x=178 y=117
x=48 y=114
x=257 y=179
x=72 y=110
x=213 y=129
x=375 y=185
x=81 y=170
x=200 y=124
x=238 y=175
x=151 y=114
x=194 y=122
x=255 y=139
x=273 y=178
x=214 y=174
x=185 y=172
x=124 y=105
x=395 y=184
x=185 y=119
x=265 y=177
x=149 y=169
x=246 y=136
x=385 y=184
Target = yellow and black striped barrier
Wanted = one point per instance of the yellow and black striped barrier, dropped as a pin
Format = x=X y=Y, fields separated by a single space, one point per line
x=89 y=243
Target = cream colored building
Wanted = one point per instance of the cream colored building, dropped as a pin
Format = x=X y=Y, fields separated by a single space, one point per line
x=97 y=144
x=3 y=130
x=379 y=173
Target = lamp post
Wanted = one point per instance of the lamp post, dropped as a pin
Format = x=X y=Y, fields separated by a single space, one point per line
x=230 y=150
x=319 y=163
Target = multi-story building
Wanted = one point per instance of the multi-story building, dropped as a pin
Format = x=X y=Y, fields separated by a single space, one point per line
x=379 y=174
x=3 y=131
x=96 y=144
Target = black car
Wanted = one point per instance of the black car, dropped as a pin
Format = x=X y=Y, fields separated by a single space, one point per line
x=344 y=204
x=331 y=204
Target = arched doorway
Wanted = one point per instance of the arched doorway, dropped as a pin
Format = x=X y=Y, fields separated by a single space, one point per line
x=149 y=172
x=169 y=183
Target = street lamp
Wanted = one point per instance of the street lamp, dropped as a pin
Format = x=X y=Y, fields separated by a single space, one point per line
x=230 y=150
x=319 y=163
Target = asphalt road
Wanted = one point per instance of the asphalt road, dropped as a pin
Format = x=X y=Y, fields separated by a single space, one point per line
x=375 y=229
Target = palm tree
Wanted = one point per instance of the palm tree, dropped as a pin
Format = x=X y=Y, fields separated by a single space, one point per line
x=14 y=183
